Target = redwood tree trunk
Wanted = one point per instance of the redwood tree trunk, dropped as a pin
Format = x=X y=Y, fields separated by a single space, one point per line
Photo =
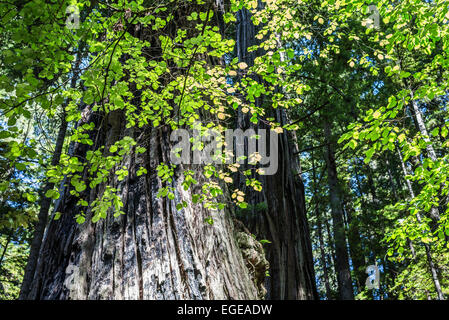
x=151 y=252
x=154 y=251
x=282 y=219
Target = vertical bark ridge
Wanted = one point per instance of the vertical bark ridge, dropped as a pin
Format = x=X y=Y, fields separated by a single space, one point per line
x=157 y=252
x=152 y=252
x=283 y=221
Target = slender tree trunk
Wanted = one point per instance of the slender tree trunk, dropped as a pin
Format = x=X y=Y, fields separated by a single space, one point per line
x=356 y=249
x=44 y=207
x=369 y=236
x=44 y=202
x=372 y=188
x=331 y=243
x=342 y=259
x=392 y=183
x=320 y=234
x=432 y=267
x=377 y=205
x=434 y=211
x=5 y=248
x=324 y=260
x=396 y=198
x=422 y=128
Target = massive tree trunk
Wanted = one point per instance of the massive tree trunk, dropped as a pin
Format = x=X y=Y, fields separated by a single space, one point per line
x=278 y=211
x=155 y=251
x=152 y=252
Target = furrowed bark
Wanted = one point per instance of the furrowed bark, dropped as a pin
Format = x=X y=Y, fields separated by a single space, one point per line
x=153 y=251
x=157 y=252
x=282 y=220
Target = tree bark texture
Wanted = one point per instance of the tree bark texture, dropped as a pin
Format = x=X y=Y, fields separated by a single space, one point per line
x=320 y=234
x=152 y=252
x=282 y=218
x=155 y=251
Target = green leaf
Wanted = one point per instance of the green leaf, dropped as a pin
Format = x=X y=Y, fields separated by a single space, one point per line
x=353 y=144
x=52 y=194
x=113 y=149
x=20 y=166
x=243 y=205
x=80 y=187
x=209 y=220
x=369 y=154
